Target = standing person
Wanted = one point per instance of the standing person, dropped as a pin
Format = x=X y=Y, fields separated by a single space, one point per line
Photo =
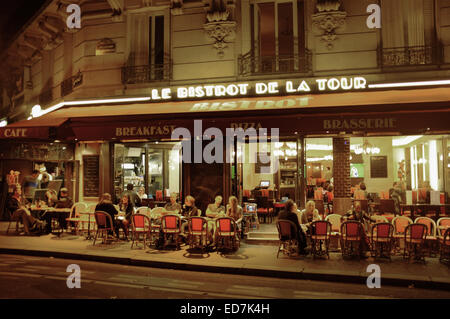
x=364 y=218
x=396 y=194
x=17 y=205
x=30 y=184
x=105 y=205
x=134 y=198
x=290 y=213
x=234 y=210
x=173 y=206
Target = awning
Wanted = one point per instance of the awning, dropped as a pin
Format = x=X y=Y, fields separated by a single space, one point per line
x=33 y=129
x=396 y=110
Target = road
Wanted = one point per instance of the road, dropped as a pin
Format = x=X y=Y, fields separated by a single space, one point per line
x=38 y=277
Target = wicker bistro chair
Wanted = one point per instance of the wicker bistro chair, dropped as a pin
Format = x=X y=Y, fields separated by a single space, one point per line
x=335 y=220
x=382 y=239
x=351 y=234
x=198 y=232
x=140 y=226
x=445 y=247
x=104 y=225
x=171 y=229
x=226 y=235
x=415 y=235
x=442 y=225
x=400 y=223
x=320 y=238
x=287 y=233
x=74 y=219
x=431 y=242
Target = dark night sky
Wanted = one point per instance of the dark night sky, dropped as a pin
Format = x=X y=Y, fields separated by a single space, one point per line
x=13 y=15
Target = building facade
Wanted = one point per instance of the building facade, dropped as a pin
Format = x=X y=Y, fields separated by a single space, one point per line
x=352 y=103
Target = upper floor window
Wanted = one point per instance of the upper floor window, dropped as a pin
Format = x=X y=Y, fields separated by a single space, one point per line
x=148 y=48
x=277 y=38
x=408 y=32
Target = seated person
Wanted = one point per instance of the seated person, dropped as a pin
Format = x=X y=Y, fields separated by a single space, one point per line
x=235 y=211
x=51 y=198
x=309 y=214
x=289 y=213
x=189 y=210
x=64 y=202
x=173 y=206
x=105 y=205
x=125 y=206
x=216 y=208
x=16 y=204
x=363 y=217
x=141 y=193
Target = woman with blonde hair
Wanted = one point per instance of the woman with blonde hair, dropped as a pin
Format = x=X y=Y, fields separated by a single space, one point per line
x=234 y=211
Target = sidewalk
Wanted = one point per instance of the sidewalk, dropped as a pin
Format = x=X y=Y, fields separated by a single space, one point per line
x=256 y=260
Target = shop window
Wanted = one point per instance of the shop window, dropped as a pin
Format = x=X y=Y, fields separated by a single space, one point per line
x=148 y=58
x=319 y=167
x=277 y=39
x=408 y=33
x=154 y=167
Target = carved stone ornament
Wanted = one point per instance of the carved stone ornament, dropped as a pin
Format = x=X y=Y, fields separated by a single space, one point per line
x=176 y=7
x=328 y=19
x=219 y=31
x=219 y=27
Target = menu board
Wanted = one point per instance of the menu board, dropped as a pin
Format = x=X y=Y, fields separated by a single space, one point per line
x=91 y=175
x=378 y=167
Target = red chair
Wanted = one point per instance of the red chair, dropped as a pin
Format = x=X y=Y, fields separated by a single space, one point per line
x=320 y=238
x=171 y=229
x=265 y=193
x=400 y=223
x=246 y=195
x=198 y=232
x=141 y=226
x=264 y=209
x=431 y=237
x=442 y=224
x=422 y=194
x=445 y=247
x=159 y=196
x=351 y=234
x=104 y=225
x=227 y=235
x=415 y=235
x=287 y=234
x=382 y=239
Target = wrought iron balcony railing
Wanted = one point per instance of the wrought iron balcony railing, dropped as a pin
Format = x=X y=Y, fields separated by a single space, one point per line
x=69 y=84
x=147 y=73
x=253 y=65
x=407 y=56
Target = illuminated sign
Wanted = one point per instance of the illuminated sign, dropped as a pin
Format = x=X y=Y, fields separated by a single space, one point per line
x=18 y=132
x=258 y=88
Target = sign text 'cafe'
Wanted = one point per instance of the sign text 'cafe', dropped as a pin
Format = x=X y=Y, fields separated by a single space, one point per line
x=259 y=88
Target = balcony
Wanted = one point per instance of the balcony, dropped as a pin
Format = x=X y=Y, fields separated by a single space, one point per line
x=258 y=65
x=409 y=56
x=147 y=73
x=69 y=84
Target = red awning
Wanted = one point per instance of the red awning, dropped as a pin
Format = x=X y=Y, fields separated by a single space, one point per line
x=38 y=128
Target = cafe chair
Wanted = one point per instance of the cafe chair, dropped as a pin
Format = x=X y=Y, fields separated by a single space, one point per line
x=17 y=223
x=143 y=210
x=171 y=230
x=140 y=226
x=104 y=226
x=400 y=223
x=320 y=238
x=431 y=238
x=74 y=220
x=335 y=221
x=382 y=240
x=415 y=235
x=442 y=225
x=226 y=235
x=198 y=232
x=246 y=195
x=444 y=241
x=265 y=211
x=287 y=234
x=351 y=234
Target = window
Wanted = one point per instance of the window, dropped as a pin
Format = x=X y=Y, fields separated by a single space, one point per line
x=277 y=38
x=148 y=56
x=407 y=32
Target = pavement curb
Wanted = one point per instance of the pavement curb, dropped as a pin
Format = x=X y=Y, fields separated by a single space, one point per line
x=333 y=277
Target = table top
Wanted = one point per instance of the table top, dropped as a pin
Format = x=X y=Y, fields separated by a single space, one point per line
x=52 y=209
